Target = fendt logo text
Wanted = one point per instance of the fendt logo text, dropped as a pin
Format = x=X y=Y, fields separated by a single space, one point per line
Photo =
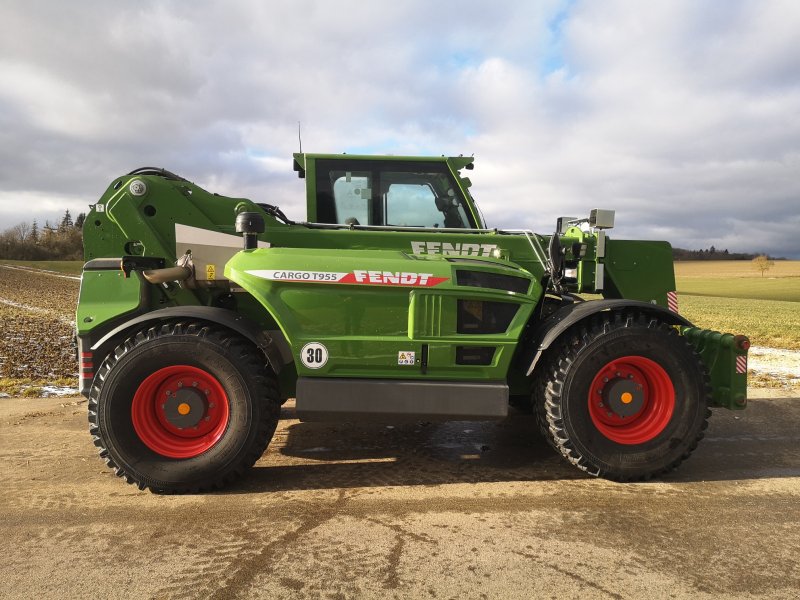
x=357 y=276
x=454 y=249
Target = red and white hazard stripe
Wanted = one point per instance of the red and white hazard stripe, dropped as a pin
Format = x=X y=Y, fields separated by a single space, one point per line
x=672 y=301
x=741 y=364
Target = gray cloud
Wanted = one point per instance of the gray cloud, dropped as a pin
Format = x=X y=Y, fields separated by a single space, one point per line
x=680 y=115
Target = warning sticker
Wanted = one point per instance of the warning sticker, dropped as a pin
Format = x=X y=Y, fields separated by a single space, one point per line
x=358 y=277
x=406 y=357
x=211 y=272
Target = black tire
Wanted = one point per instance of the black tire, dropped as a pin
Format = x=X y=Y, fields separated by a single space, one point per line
x=224 y=361
x=594 y=438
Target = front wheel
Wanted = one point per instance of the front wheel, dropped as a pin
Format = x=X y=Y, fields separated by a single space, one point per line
x=183 y=407
x=625 y=397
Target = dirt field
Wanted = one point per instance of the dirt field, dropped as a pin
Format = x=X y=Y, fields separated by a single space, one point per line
x=37 y=310
x=457 y=510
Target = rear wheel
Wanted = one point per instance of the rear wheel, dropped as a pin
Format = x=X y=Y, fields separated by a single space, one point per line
x=625 y=397
x=183 y=407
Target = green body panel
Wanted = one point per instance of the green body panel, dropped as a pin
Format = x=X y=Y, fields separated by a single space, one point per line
x=105 y=296
x=720 y=352
x=639 y=270
x=365 y=325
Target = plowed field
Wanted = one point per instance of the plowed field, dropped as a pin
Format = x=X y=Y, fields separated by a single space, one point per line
x=37 y=310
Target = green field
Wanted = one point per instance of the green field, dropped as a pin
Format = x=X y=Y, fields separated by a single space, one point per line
x=733 y=296
x=68 y=267
x=739 y=279
x=770 y=323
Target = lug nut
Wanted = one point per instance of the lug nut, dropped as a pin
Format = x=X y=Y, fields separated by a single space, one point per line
x=207 y=419
x=194 y=384
x=600 y=405
x=605 y=379
x=211 y=405
x=163 y=407
x=180 y=384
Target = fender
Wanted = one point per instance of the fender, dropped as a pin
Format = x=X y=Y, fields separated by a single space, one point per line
x=216 y=316
x=549 y=330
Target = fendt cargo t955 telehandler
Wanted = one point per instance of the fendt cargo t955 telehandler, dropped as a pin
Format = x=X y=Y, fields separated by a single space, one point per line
x=200 y=314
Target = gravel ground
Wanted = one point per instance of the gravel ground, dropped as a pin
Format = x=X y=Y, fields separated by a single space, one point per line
x=453 y=510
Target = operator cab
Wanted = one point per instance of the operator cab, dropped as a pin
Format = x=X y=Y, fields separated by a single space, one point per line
x=385 y=192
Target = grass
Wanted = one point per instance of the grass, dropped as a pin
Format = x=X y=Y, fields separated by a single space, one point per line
x=67 y=267
x=771 y=323
x=739 y=279
x=732 y=296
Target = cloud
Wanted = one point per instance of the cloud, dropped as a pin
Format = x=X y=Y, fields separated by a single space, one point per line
x=679 y=115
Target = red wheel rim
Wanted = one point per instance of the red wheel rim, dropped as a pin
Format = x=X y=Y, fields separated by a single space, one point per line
x=180 y=411
x=631 y=400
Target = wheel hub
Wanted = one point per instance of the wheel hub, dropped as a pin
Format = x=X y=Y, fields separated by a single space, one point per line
x=185 y=408
x=624 y=397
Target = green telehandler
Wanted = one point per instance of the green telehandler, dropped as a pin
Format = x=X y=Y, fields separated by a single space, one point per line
x=200 y=314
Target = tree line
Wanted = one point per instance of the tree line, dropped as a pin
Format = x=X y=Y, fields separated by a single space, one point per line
x=30 y=241
x=714 y=254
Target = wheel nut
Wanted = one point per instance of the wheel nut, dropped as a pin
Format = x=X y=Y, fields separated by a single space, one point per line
x=605 y=379
x=163 y=407
x=180 y=384
x=600 y=404
x=207 y=392
x=207 y=419
x=194 y=384
x=211 y=405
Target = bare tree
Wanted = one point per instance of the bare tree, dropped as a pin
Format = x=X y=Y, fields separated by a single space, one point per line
x=763 y=263
x=21 y=232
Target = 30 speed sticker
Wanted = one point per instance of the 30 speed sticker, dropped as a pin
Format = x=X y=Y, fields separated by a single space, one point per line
x=314 y=355
x=358 y=277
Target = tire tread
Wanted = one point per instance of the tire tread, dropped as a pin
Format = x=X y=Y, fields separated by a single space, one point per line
x=246 y=356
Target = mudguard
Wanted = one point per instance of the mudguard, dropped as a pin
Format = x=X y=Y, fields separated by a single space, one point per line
x=549 y=330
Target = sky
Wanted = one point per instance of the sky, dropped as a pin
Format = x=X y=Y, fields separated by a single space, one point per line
x=681 y=115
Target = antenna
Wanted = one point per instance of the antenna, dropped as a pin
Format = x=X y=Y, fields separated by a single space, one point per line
x=299 y=138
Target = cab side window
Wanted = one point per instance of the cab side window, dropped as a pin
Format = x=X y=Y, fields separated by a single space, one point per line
x=389 y=193
x=352 y=196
